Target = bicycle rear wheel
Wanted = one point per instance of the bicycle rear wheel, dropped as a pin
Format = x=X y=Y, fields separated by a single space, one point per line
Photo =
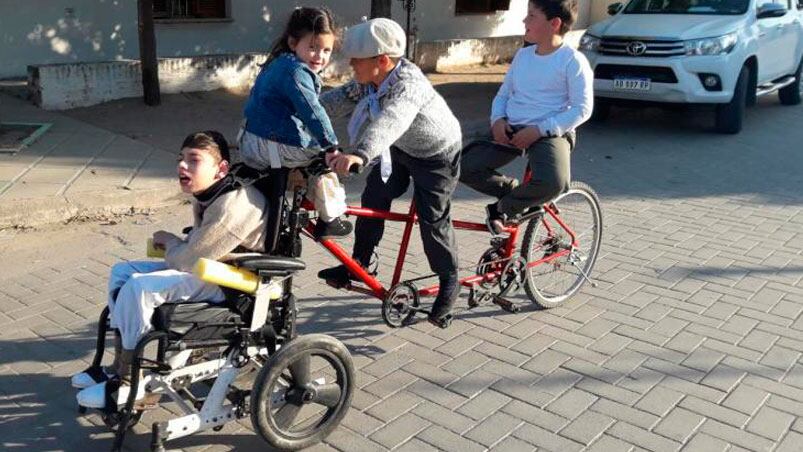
x=552 y=283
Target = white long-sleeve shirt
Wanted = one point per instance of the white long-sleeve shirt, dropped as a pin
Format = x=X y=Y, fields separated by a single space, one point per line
x=553 y=92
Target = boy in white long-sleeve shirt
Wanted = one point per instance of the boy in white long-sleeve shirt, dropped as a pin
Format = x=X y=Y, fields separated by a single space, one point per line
x=547 y=93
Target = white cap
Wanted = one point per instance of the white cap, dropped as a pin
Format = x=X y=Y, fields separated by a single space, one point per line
x=375 y=37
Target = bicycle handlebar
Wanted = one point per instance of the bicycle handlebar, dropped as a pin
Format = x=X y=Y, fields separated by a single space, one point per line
x=318 y=166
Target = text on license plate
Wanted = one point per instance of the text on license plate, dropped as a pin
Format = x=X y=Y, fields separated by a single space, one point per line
x=632 y=84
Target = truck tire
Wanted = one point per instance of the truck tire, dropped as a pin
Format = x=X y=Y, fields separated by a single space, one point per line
x=790 y=95
x=731 y=115
x=601 y=111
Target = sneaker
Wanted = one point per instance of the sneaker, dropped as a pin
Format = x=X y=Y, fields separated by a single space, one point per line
x=332 y=229
x=90 y=377
x=494 y=220
x=95 y=396
x=449 y=290
x=339 y=276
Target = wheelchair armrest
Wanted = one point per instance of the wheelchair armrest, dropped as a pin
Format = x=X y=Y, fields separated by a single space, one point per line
x=270 y=265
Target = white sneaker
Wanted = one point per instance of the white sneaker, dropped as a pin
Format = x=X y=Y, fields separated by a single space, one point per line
x=84 y=379
x=95 y=396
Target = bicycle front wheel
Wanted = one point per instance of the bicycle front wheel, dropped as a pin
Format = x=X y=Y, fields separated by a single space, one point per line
x=553 y=282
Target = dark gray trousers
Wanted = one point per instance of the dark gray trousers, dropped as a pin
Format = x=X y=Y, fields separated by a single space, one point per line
x=434 y=181
x=549 y=159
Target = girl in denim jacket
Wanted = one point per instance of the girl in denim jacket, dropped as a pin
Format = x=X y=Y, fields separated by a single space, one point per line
x=285 y=125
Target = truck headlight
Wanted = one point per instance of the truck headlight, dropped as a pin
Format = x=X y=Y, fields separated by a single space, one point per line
x=588 y=43
x=711 y=46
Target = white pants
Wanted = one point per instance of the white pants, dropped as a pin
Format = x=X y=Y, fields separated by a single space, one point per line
x=141 y=287
x=325 y=191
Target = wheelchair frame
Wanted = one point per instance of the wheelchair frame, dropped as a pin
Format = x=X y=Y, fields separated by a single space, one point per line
x=256 y=339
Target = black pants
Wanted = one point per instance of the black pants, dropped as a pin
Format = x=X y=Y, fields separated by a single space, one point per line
x=434 y=181
x=550 y=162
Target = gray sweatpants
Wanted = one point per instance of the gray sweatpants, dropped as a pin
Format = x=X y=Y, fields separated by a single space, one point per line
x=434 y=181
x=549 y=159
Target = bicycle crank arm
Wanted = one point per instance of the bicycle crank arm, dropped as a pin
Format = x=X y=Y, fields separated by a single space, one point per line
x=505 y=304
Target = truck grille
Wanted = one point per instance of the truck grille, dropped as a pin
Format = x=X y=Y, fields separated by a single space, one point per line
x=657 y=74
x=632 y=47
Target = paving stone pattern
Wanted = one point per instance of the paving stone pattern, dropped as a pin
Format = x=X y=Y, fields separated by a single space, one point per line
x=692 y=338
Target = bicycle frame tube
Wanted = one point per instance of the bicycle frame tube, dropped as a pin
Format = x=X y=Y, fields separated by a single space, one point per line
x=376 y=289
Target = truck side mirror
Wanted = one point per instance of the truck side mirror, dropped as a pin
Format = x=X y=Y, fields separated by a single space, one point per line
x=770 y=10
x=614 y=8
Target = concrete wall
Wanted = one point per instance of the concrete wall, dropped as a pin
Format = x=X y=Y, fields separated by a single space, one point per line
x=69 y=31
x=71 y=85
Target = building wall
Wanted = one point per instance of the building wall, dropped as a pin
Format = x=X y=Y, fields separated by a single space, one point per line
x=70 y=31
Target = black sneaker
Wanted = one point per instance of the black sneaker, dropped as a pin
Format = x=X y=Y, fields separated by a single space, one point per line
x=494 y=220
x=332 y=229
x=339 y=276
x=448 y=291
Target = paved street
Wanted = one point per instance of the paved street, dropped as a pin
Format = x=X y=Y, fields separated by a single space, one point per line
x=691 y=340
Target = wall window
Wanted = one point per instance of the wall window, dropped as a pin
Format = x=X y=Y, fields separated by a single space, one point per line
x=189 y=9
x=480 y=6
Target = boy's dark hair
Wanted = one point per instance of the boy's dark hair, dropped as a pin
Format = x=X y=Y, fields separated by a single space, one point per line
x=211 y=141
x=302 y=22
x=565 y=10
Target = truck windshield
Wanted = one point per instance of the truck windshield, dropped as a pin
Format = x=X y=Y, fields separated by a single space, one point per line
x=687 y=7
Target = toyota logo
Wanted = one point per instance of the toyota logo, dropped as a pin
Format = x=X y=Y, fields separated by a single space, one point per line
x=636 y=48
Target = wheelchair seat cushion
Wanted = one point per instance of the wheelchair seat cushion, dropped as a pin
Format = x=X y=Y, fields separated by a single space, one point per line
x=200 y=320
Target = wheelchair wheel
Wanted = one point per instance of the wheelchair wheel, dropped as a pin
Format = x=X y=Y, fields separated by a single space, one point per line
x=303 y=392
x=552 y=283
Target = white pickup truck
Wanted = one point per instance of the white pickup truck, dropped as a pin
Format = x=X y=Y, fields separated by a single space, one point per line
x=723 y=52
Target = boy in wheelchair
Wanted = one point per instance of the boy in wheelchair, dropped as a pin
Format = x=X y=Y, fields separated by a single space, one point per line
x=227 y=216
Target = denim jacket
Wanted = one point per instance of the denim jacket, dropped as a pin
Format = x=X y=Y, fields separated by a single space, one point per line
x=284 y=107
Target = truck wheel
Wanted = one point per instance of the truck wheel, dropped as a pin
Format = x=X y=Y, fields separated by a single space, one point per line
x=601 y=111
x=790 y=95
x=730 y=115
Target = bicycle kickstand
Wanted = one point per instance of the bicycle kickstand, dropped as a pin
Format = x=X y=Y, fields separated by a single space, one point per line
x=585 y=276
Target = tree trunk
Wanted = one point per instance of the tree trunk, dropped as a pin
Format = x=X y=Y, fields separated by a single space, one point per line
x=380 y=8
x=147 y=53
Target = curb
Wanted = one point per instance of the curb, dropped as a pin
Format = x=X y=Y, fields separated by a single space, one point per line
x=33 y=212
x=27 y=213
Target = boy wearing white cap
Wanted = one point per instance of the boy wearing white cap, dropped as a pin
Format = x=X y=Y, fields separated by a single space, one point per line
x=399 y=118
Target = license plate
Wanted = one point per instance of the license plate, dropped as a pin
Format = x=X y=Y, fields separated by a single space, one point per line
x=632 y=84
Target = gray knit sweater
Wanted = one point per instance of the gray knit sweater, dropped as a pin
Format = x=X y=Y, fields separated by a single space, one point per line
x=415 y=118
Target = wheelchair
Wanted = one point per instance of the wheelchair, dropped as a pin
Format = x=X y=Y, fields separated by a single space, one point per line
x=221 y=362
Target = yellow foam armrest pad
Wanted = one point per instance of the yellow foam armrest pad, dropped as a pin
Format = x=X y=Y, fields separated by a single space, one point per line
x=225 y=275
x=152 y=251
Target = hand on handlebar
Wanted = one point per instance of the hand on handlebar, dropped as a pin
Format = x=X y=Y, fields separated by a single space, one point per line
x=344 y=163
